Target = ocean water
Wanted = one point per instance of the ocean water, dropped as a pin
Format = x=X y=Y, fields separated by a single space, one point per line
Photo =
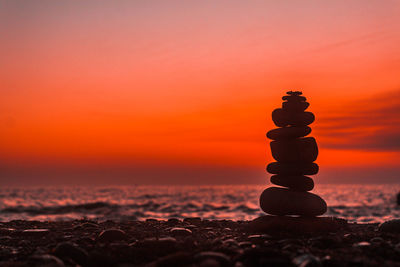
x=360 y=203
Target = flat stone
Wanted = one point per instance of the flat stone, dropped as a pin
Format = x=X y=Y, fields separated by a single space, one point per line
x=292 y=168
x=294 y=98
x=290 y=132
x=284 y=118
x=295 y=106
x=295 y=150
x=35 y=232
x=282 y=201
x=295 y=182
x=298 y=225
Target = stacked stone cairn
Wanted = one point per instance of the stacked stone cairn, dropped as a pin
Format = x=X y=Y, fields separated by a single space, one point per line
x=295 y=155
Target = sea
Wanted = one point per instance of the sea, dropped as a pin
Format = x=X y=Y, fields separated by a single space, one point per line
x=356 y=203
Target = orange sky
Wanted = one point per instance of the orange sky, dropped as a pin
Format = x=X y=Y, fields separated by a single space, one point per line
x=164 y=86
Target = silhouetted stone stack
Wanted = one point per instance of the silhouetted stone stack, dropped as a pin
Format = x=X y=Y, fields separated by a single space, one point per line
x=295 y=155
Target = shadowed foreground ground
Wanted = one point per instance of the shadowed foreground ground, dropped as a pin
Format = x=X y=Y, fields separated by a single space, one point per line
x=191 y=242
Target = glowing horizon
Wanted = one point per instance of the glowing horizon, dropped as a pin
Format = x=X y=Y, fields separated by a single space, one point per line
x=169 y=84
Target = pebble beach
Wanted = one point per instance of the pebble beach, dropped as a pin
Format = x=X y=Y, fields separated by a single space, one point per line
x=194 y=242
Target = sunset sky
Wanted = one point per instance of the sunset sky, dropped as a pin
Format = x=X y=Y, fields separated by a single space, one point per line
x=182 y=92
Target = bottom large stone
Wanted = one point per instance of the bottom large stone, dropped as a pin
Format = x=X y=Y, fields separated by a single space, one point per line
x=282 y=201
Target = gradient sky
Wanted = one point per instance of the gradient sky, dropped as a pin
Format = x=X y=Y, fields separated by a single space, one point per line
x=182 y=91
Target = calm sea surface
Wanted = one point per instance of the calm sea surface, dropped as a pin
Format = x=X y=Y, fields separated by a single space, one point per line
x=361 y=203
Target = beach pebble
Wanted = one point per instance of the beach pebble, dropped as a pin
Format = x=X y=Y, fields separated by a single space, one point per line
x=282 y=201
x=296 y=150
x=392 y=226
x=245 y=244
x=362 y=244
x=296 y=183
x=283 y=118
x=261 y=256
x=218 y=256
x=7 y=231
x=86 y=225
x=5 y=239
x=292 y=168
x=377 y=240
x=175 y=259
x=164 y=244
x=288 y=132
x=306 y=260
x=192 y=220
x=111 y=235
x=178 y=231
x=209 y=263
x=45 y=260
x=173 y=221
x=397 y=247
x=35 y=232
x=67 y=250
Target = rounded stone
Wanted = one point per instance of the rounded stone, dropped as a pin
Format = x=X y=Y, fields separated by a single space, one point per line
x=68 y=250
x=392 y=226
x=283 y=118
x=179 y=231
x=112 y=235
x=282 y=201
x=295 y=182
x=295 y=106
x=292 y=168
x=290 y=132
x=294 y=98
x=295 y=150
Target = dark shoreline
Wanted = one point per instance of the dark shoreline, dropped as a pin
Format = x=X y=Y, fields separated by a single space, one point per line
x=192 y=242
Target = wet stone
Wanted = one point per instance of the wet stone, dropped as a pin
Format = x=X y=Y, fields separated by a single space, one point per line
x=112 y=235
x=296 y=150
x=165 y=244
x=392 y=226
x=289 y=132
x=377 y=240
x=306 y=260
x=292 y=168
x=7 y=231
x=45 y=260
x=192 y=220
x=281 y=201
x=68 y=250
x=296 y=183
x=35 y=232
x=178 y=231
x=173 y=221
x=175 y=259
x=362 y=244
x=86 y=225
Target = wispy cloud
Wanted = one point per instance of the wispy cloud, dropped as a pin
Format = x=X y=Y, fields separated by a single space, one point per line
x=371 y=123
